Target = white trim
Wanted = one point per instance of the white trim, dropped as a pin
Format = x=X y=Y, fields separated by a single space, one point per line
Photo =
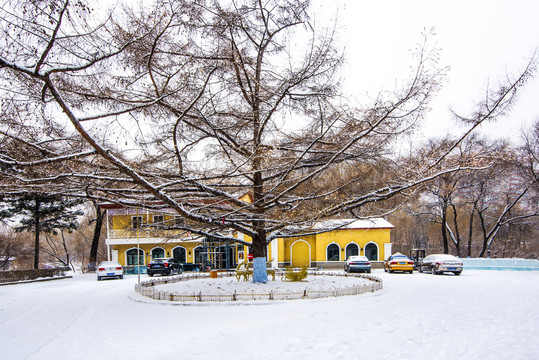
x=388 y=249
x=184 y=249
x=157 y=247
x=377 y=250
x=135 y=248
x=194 y=254
x=141 y=221
x=274 y=253
x=291 y=252
x=333 y=242
x=351 y=243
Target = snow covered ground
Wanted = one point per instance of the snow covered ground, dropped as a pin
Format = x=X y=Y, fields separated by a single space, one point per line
x=478 y=315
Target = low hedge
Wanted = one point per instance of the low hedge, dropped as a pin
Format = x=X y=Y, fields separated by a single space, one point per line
x=22 y=275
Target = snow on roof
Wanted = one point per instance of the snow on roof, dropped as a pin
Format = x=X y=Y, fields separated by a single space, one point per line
x=374 y=223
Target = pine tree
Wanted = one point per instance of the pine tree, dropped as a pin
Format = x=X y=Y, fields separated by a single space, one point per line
x=42 y=213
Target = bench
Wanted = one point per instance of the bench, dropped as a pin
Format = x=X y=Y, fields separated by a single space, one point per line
x=294 y=275
x=244 y=269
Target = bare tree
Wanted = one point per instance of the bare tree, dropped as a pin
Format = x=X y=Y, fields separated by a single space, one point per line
x=251 y=86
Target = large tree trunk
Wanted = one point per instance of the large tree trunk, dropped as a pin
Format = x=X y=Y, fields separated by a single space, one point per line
x=470 y=233
x=457 y=232
x=444 y=230
x=92 y=261
x=36 y=243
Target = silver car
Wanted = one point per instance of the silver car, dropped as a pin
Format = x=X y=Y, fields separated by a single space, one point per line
x=109 y=269
x=440 y=263
x=357 y=263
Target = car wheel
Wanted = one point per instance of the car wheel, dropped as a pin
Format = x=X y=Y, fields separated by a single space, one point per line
x=457 y=273
x=369 y=271
x=390 y=271
x=150 y=274
x=433 y=270
x=420 y=269
x=121 y=276
x=98 y=278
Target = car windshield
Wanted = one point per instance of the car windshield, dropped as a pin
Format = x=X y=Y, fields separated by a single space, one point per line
x=159 y=261
x=358 y=258
x=109 y=263
x=446 y=257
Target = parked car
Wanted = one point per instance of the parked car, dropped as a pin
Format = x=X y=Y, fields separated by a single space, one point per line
x=357 y=263
x=107 y=269
x=399 y=262
x=440 y=263
x=164 y=266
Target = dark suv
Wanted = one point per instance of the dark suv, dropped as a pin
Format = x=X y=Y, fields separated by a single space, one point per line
x=164 y=266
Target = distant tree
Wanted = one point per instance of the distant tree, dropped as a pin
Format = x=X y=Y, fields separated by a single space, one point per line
x=39 y=213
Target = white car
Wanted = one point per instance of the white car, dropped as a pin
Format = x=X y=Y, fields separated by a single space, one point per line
x=357 y=263
x=109 y=269
x=440 y=263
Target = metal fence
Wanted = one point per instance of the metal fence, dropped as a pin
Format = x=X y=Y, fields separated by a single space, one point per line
x=148 y=289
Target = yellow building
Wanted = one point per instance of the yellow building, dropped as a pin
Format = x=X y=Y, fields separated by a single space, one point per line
x=152 y=235
x=332 y=242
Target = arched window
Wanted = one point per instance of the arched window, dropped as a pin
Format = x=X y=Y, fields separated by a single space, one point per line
x=333 y=252
x=352 y=250
x=131 y=255
x=371 y=251
x=158 y=253
x=198 y=254
x=178 y=253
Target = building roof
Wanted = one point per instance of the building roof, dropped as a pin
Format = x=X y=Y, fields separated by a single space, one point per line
x=351 y=224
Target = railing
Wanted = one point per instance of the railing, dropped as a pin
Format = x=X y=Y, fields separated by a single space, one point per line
x=147 y=289
x=145 y=233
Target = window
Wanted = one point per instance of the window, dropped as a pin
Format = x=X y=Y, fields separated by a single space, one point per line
x=136 y=222
x=158 y=220
x=179 y=254
x=132 y=257
x=352 y=250
x=158 y=253
x=371 y=251
x=179 y=221
x=333 y=252
x=198 y=254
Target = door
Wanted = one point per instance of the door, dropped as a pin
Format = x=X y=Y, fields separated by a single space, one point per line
x=300 y=254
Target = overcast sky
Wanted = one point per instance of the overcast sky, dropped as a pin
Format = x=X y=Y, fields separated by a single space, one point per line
x=479 y=40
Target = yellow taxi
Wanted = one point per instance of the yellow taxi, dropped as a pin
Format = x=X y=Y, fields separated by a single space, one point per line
x=399 y=262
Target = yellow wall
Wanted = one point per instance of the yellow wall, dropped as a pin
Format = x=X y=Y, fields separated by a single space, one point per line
x=319 y=243
x=147 y=248
x=120 y=227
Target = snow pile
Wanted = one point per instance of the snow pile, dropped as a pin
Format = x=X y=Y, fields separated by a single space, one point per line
x=228 y=285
